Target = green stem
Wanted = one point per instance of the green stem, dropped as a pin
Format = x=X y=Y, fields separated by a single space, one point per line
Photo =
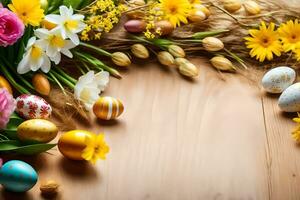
x=12 y=81
x=58 y=83
x=97 y=63
x=237 y=58
x=202 y=35
x=96 y=49
x=63 y=79
x=60 y=71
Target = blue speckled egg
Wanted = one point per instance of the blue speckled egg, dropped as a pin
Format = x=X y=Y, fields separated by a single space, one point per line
x=278 y=79
x=289 y=100
x=17 y=176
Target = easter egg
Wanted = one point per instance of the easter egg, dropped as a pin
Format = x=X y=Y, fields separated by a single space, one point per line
x=107 y=108
x=72 y=143
x=289 y=100
x=37 y=131
x=33 y=107
x=278 y=79
x=5 y=84
x=17 y=176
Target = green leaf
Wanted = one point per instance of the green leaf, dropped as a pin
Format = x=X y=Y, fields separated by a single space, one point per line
x=74 y=3
x=18 y=147
x=9 y=145
x=34 y=149
x=12 y=126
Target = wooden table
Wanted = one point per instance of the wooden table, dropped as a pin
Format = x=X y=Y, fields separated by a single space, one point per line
x=183 y=140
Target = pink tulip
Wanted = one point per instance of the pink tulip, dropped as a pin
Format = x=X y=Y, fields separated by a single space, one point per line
x=7 y=107
x=11 y=27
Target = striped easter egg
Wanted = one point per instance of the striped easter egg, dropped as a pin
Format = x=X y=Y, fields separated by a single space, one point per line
x=108 y=108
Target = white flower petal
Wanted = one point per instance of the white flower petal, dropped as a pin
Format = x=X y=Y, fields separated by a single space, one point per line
x=78 y=17
x=73 y=37
x=67 y=53
x=41 y=33
x=55 y=19
x=46 y=66
x=23 y=66
x=56 y=58
x=30 y=42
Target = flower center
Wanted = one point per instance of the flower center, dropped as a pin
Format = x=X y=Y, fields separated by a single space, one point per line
x=57 y=41
x=85 y=95
x=265 y=42
x=36 y=52
x=71 y=24
x=173 y=9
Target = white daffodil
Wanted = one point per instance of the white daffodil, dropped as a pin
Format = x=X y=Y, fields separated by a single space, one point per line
x=69 y=23
x=89 y=87
x=54 y=44
x=34 y=58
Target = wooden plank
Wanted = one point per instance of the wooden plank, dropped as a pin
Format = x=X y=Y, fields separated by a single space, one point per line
x=176 y=140
x=284 y=154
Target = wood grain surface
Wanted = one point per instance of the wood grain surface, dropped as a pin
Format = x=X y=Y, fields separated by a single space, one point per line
x=214 y=138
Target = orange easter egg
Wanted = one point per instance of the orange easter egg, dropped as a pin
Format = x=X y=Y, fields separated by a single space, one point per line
x=5 y=84
x=72 y=143
x=108 y=108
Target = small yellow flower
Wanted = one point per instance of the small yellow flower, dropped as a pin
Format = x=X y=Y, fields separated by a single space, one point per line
x=296 y=131
x=29 y=12
x=264 y=42
x=290 y=35
x=96 y=148
x=176 y=11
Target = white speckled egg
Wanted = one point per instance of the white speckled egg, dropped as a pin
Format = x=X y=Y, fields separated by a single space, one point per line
x=278 y=79
x=33 y=107
x=289 y=100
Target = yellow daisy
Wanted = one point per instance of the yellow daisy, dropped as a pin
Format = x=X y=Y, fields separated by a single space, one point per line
x=297 y=53
x=195 y=1
x=290 y=35
x=264 y=42
x=175 y=11
x=95 y=149
x=29 y=12
x=296 y=131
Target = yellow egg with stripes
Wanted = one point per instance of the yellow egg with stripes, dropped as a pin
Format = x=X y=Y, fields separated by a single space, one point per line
x=108 y=108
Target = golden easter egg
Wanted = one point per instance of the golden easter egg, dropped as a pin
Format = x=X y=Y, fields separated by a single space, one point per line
x=108 y=108
x=5 y=84
x=72 y=143
x=37 y=131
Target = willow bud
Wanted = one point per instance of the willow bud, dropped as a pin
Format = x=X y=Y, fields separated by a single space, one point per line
x=176 y=51
x=197 y=16
x=120 y=59
x=203 y=9
x=140 y=51
x=135 y=3
x=251 y=7
x=188 y=69
x=165 y=27
x=222 y=63
x=136 y=14
x=165 y=58
x=212 y=44
x=232 y=5
x=180 y=61
x=44 y=4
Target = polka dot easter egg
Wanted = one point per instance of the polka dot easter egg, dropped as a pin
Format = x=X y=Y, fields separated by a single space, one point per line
x=289 y=100
x=33 y=107
x=108 y=108
x=278 y=79
x=17 y=176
